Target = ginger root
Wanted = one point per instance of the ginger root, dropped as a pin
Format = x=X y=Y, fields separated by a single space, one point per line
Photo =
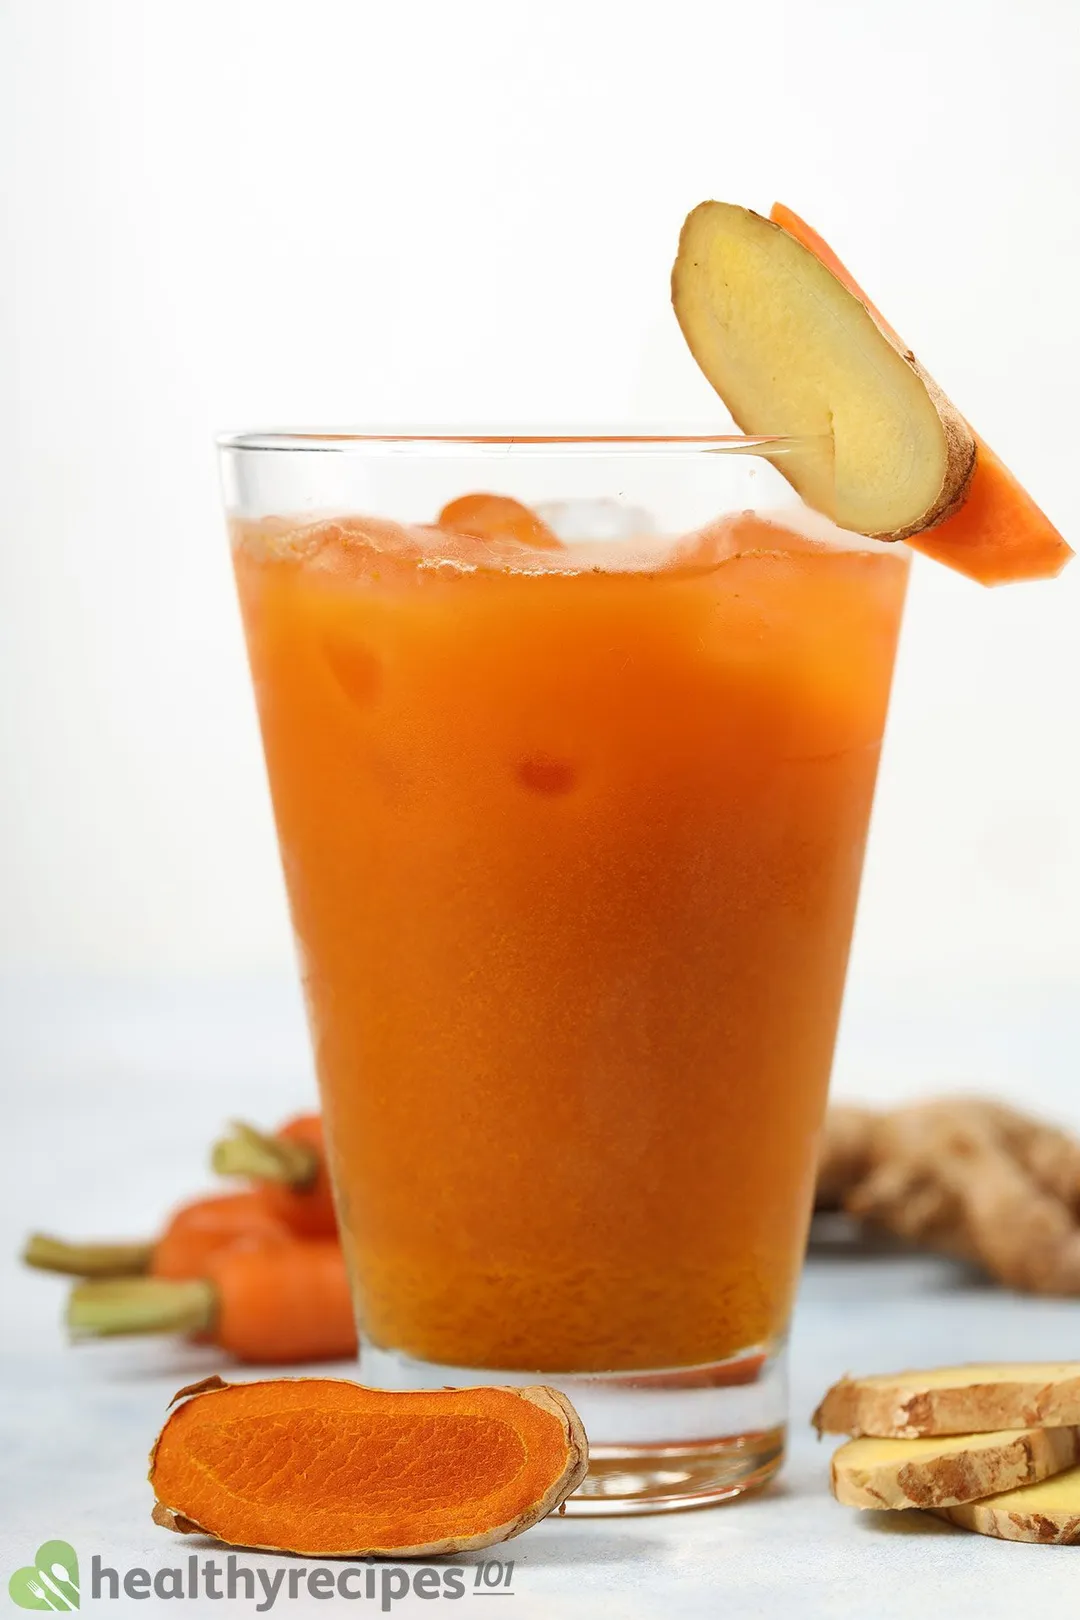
x=966 y=1177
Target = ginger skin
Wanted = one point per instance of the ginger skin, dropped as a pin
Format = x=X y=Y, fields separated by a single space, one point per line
x=966 y=1177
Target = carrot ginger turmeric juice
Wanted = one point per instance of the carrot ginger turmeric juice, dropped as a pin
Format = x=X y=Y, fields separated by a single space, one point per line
x=573 y=841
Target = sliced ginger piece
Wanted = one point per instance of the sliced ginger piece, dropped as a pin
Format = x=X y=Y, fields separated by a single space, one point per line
x=1047 y=1512
x=792 y=350
x=954 y=1400
x=948 y=1469
x=997 y=534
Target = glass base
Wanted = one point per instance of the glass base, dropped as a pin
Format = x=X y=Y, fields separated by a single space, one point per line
x=658 y=1441
x=663 y=1479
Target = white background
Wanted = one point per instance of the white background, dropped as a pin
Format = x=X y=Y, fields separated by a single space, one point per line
x=232 y=213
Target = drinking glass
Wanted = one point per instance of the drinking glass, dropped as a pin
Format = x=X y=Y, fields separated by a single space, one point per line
x=572 y=804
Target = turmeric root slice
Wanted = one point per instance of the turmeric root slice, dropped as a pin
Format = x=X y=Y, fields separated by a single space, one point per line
x=954 y=1400
x=941 y=1472
x=328 y=1468
x=1047 y=1512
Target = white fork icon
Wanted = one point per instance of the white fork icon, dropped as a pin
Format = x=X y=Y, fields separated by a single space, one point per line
x=54 y=1591
x=39 y=1592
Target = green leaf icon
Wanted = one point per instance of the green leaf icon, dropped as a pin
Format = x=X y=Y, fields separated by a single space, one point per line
x=51 y=1582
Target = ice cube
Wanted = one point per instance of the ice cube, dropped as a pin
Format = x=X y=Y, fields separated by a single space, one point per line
x=598 y=518
x=353 y=547
x=357 y=670
x=726 y=537
x=496 y=518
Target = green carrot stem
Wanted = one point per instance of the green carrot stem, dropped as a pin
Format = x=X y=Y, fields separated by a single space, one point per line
x=103 y=1308
x=47 y=1253
x=259 y=1156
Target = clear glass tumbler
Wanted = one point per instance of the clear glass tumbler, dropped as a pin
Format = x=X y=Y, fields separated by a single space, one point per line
x=572 y=785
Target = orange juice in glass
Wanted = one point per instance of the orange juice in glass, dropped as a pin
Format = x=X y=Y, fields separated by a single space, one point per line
x=572 y=807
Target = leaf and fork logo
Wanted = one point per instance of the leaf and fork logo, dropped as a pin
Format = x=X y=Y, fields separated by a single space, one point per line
x=50 y=1582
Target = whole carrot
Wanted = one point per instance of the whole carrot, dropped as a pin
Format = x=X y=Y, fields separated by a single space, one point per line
x=274 y=1305
x=192 y=1233
x=288 y=1169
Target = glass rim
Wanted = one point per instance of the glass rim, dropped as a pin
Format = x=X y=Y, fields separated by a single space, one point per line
x=528 y=442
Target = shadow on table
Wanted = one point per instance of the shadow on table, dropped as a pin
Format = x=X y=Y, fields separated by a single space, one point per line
x=589 y=1541
x=905 y=1522
x=174 y=1364
x=553 y=1546
x=835 y=1237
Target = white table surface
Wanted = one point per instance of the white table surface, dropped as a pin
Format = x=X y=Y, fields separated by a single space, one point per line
x=111 y=1097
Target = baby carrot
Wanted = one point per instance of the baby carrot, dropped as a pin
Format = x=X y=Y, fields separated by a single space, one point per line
x=192 y=1233
x=288 y=1169
x=206 y=1226
x=289 y=1305
x=281 y=1304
